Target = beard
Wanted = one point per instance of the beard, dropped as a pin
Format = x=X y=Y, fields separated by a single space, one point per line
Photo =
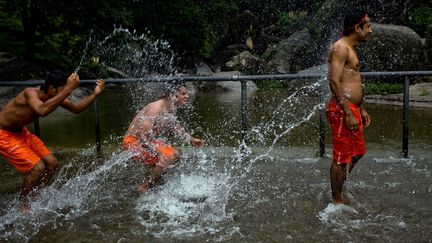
x=365 y=37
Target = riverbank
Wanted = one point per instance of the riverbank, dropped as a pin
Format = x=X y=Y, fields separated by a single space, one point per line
x=420 y=95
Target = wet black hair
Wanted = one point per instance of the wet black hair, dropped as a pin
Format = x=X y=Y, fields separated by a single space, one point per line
x=172 y=86
x=352 y=19
x=56 y=78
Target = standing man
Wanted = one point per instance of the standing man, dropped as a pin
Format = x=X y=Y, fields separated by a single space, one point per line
x=26 y=152
x=345 y=111
x=146 y=135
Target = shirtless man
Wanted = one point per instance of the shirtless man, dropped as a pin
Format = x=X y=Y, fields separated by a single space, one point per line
x=26 y=152
x=154 y=121
x=345 y=111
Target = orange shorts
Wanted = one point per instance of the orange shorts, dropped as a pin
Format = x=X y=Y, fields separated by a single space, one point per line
x=346 y=143
x=23 y=149
x=146 y=155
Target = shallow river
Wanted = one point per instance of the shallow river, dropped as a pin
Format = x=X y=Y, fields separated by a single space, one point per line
x=279 y=193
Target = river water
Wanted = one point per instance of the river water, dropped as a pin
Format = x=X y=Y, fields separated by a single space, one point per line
x=280 y=192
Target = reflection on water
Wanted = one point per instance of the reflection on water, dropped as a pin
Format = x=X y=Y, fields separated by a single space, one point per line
x=280 y=193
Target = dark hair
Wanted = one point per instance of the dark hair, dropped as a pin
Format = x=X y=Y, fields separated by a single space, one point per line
x=56 y=78
x=172 y=86
x=352 y=19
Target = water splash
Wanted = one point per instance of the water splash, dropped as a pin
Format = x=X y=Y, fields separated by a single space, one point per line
x=194 y=200
x=85 y=52
x=74 y=193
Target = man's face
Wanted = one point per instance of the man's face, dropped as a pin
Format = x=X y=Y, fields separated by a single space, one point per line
x=54 y=91
x=364 y=33
x=181 y=96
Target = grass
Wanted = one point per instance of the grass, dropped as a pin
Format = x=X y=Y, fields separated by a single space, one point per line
x=383 y=88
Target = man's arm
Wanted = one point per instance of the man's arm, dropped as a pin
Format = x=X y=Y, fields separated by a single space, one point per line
x=144 y=133
x=365 y=116
x=44 y=108
x=84 y=103
x=187 y=137
x=339 y=55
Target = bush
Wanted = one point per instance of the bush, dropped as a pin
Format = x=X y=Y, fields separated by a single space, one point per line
x=383 y=88
x=289 y=20
x=421 y=21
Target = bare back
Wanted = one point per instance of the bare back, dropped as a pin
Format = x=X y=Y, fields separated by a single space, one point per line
x=344 y=73
x=152 y=120
x=18 y=113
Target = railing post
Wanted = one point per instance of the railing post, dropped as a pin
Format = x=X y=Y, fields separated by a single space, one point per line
x=323 y=91
x=322 y=133
x=97 y=125
x=36 y=127
x=405 y=118
x=244 y=113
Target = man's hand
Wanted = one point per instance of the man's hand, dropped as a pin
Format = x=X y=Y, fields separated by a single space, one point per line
x=351 y=122
x=100 y=86
x=366 y=118
x=197 y=142
x=73 y=81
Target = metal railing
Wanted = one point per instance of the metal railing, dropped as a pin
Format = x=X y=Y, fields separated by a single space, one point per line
x=407 y=75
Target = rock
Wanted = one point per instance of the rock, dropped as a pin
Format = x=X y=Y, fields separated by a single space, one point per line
x=6 y=57
x=203 y=69
x=290 y=55
x=115 y=73
x=392 y=48
x=18 y=69
x=244 y=62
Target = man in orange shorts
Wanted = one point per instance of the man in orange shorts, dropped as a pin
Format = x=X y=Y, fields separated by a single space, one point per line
x=26 y=152
x=345 y=111
x=144 y=136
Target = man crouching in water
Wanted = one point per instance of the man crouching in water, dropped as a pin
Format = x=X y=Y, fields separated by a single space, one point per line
x=26 y=152
x=144 y=135
x=345 y=111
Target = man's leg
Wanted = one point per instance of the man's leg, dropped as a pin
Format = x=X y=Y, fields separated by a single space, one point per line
x=30 y=183
x=51 y=163
x=355 y=159
x=337 y=178
x=161 y=166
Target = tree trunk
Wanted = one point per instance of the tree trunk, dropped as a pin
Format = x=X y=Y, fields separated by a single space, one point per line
x=29 y=25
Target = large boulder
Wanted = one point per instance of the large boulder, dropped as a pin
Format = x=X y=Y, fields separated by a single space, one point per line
x=290 y=55
x=392 y=48
x=17 y=69
x=244 y=62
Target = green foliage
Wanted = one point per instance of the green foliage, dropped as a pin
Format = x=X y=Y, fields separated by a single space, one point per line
x=421 y=21
x=383 y=88
x=11 y=31
x=195 y=28
x=288 y=21
x=190 y=25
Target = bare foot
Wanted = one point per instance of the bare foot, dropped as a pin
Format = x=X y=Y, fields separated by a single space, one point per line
x=342 y=201
x=338 y=202
x=24 y=207
x=143 y=187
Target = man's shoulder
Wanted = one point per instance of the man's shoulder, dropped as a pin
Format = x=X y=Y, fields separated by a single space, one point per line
x=153 y=108
x=340 y=44
x=29 y=90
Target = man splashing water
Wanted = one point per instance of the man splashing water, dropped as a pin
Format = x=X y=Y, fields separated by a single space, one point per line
x=144 y=136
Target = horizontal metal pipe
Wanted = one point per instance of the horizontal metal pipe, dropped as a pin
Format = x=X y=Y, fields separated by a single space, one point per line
x=228 y=78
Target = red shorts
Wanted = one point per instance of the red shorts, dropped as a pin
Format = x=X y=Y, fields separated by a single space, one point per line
x=147 y=156
x=346 y=143
x=23 y=149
